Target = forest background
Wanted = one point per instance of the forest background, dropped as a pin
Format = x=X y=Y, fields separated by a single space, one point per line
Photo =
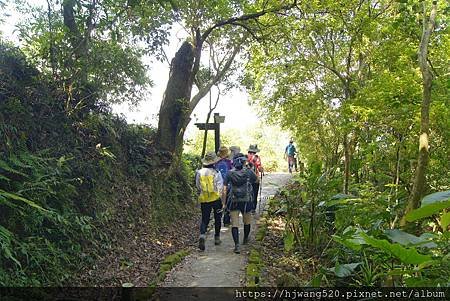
x=356 y=83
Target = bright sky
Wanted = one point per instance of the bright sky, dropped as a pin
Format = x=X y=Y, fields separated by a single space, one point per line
x=234 y=105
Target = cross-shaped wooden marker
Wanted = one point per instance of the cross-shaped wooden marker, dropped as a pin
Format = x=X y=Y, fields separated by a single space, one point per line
x=213 y=126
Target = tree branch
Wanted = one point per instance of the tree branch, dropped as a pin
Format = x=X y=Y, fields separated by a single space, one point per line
x=219 y=75
x=244 y=18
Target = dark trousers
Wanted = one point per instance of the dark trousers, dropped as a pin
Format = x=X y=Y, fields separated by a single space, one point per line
x=226 y=213
x=206 y=214
x=255 y=194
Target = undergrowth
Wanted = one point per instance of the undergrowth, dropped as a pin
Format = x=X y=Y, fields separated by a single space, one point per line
x=63 y=177
x=354 y=239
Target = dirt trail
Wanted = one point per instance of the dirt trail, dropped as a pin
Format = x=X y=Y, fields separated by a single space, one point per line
x=218 y=266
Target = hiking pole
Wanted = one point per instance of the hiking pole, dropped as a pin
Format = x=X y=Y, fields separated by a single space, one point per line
x=260 y=192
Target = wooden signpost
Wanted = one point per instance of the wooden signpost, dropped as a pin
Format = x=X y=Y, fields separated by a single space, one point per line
x=213 y=126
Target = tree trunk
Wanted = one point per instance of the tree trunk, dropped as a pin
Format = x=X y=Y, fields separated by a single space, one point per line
x=174 y=111
x=427 y=78
x=346 y=164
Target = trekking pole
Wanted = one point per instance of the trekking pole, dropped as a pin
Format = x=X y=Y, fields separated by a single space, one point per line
x=260 y=193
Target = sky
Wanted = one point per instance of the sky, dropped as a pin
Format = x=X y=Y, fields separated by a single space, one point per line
x=233 y=105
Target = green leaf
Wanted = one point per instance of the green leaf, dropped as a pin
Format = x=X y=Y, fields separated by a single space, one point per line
x=407 y=239
x=445 y=220
x=317 y=280
x=288 y=240
x=406 y=255
x=344 y=270
x=435 y=197
x=351 y=243
x=2 y=177
x=19 y=198
x=5 y=166
x=427 y=210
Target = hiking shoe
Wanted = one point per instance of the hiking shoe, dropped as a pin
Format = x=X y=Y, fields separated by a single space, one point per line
x=245 y=241
x=237 y=250
x=201 y=244
x=217 y=240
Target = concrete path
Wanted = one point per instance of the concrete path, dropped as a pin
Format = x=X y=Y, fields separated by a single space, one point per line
x=218 y=266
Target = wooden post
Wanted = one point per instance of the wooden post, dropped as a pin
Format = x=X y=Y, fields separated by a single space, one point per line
x=213 y=126
x=216 y=132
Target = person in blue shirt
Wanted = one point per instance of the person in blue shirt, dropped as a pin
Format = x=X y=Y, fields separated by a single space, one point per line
x=223 y=166
x=290 y=153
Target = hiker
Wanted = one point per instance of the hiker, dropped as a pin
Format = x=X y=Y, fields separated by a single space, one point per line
x=240 y=178
x=254 y=163
x=209 y=183
x=290 y=153
x=223 y=166
x=234 y=150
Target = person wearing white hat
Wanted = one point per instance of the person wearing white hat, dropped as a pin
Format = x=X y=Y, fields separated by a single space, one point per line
x=209 y=183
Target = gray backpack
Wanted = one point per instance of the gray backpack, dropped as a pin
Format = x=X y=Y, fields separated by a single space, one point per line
x=241 y=188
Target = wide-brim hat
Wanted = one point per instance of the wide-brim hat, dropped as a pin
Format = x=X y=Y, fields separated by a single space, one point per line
x=253 y=148
x=223 y=152
x=210 y=158
x=235 y=149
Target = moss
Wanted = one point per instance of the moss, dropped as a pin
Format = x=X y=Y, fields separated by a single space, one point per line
x=175 y=258
x=167 y=264
x=253 y=273
x=254 y=268
x=164 y=268
x=254 y=257
x=262 y=230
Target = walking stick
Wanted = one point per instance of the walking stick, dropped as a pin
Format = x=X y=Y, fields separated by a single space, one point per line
x=260 y=192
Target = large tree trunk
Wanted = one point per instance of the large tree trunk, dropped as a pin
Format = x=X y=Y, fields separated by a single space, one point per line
x=174 y=112
x=427 y=78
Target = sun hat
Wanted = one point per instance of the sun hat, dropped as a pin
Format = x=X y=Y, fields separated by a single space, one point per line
x=223 y=152
x=235 y=149
x=210 y=158
x=253 y=148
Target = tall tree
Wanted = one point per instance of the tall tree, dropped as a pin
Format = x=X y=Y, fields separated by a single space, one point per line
x=320 y=57
x=427 y=80
x=89 y=48
x=225 y=19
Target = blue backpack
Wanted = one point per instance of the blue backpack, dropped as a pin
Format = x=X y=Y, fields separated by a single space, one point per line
x=223 y=166
x=290 y=149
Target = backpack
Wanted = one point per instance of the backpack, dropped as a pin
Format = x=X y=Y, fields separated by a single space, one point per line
x=224 y=165
x=208 y=192
x=290 y=150
x=241 y=188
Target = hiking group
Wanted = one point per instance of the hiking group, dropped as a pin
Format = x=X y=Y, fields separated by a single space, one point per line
x=228 y=183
